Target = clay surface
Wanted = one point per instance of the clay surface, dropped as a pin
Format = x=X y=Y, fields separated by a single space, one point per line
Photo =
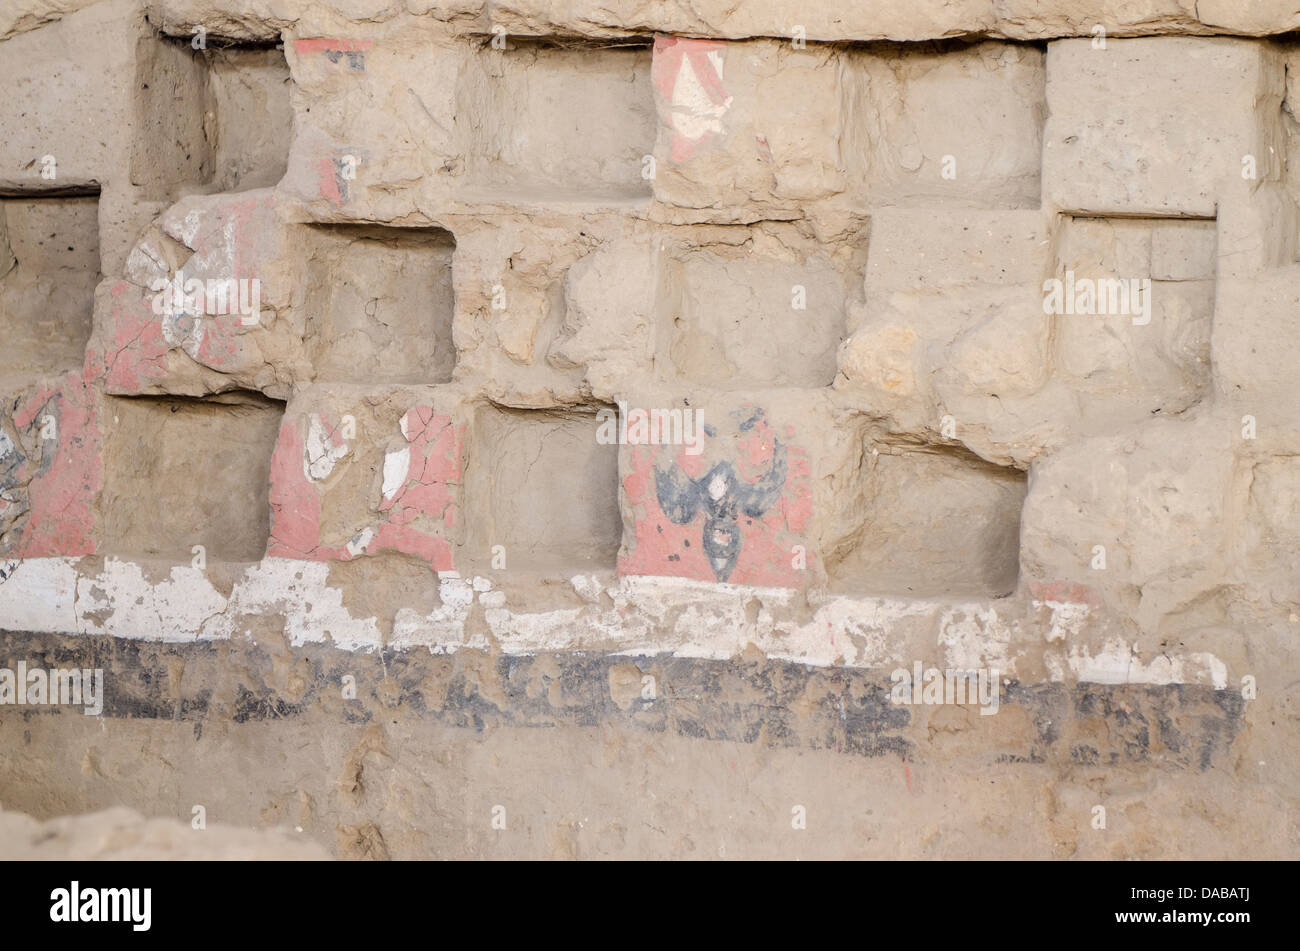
x=563 y=429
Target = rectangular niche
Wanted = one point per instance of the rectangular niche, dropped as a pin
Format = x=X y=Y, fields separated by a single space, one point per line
x=49 y=267
x=548 y=122
x=380 y=305
x=540 y=485
x=731 y=320
x=939 y=524
x=217 y=119
x=250 y=87
x=181 y=472
x=171 y=148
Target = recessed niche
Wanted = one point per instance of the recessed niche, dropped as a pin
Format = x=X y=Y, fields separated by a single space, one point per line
x=380 y=304
x=939 y=524
x=171 y=146
x=182 y=472
x=538 y=484
x=746 y=320
x=49 y=266
x=254 y=117
x=544 y=121
x=216 y=119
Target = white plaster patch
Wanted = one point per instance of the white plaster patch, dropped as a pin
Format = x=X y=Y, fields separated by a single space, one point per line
x=1068 y=617
x=587 y=587
x=145 y=264
x=656 y=615
x=693 y=113
x=189 y=228
x=1118 y=663
x=975 y=638
x=320 y=453
x=519 y=633
x=443 y=630
x=397 y=466
x=313 y=611
x=183 y=328
x=359 y=542
x=863 y=632
x=122 y=602
x=40 y=594
x=635 y=615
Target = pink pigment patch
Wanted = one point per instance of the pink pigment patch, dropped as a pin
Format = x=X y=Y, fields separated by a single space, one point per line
x=426 y=498
x=328 y=181
x=219 y=347
x=320 y=44
x=295 y=502
x=138 y=354
x=436 y=551
x=1064 y=592
x=61 y=521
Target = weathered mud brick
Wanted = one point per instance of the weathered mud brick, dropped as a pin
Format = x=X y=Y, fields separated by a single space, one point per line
x=527 y=122
x=359 y=471
x=554 y=310
x=1257 y=287
x=612 y=298
x=745 y=125
x=1104 y=531
x=84 y=65
x=962 y=126
x=249 y=90
x=1132 y=307
x=87 y=65
x=1255 y=231
x=207 y=301
x=379 y=304
x=556 y=122
x=952 y=327
x=1159 y=126
x=936 y=250
x=1026 y=330
x=169 y=118
x=1272 y=527
x=834 y=20
x=208 y=118
x=1254 y=343
x=743 y=308
x=343 y=159
x=726 y=308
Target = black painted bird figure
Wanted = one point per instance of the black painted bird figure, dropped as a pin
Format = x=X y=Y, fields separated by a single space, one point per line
x=721 y=494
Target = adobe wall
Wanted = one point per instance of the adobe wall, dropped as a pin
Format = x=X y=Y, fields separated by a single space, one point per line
x=986 y=313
